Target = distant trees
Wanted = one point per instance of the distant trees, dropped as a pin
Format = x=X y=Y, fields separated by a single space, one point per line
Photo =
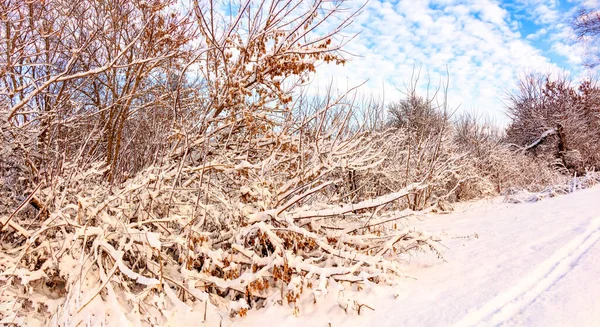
x=424 y=150
x=556 y=120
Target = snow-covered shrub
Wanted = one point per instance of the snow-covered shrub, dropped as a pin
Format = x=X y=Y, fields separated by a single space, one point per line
x=498 y=165
x=226 y=224
x=458 y=160
x=434 y=161
x=158 y=196
x=571 y=185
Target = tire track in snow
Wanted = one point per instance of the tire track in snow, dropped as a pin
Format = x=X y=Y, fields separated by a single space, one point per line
x=513 y=301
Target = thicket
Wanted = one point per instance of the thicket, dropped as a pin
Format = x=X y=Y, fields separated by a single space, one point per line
x=557 y=122
x=160 y=161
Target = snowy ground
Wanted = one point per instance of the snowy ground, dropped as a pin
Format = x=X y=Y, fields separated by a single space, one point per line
x=529 y=264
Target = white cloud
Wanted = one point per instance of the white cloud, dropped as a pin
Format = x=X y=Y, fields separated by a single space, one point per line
x=476 y=40
x=538 y=34
x=587 y=3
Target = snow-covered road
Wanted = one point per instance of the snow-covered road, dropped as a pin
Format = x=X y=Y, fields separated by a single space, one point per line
x=530 y=264
x=572 y=301
x=524 y=256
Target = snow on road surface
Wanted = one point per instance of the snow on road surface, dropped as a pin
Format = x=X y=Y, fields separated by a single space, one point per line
x=529 y=264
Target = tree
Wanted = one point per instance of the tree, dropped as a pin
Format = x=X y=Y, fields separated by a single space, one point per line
x=587 y=27
x=76 y=72
x=552 y=118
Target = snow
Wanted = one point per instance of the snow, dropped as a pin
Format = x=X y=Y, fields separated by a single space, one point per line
x=532 y=264
x=541 y=139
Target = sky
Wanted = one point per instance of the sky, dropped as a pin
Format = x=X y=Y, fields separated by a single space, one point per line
x=485 y=45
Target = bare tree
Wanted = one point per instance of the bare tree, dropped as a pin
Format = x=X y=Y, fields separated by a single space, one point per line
x=586 y=24
x=554 y=119
x=75 y=72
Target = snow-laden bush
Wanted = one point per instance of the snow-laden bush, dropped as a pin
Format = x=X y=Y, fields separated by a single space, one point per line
x=590 y=179
x=239 y=217
x=223 y=226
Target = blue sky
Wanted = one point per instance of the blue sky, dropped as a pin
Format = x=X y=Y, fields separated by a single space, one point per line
x=485 y=44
